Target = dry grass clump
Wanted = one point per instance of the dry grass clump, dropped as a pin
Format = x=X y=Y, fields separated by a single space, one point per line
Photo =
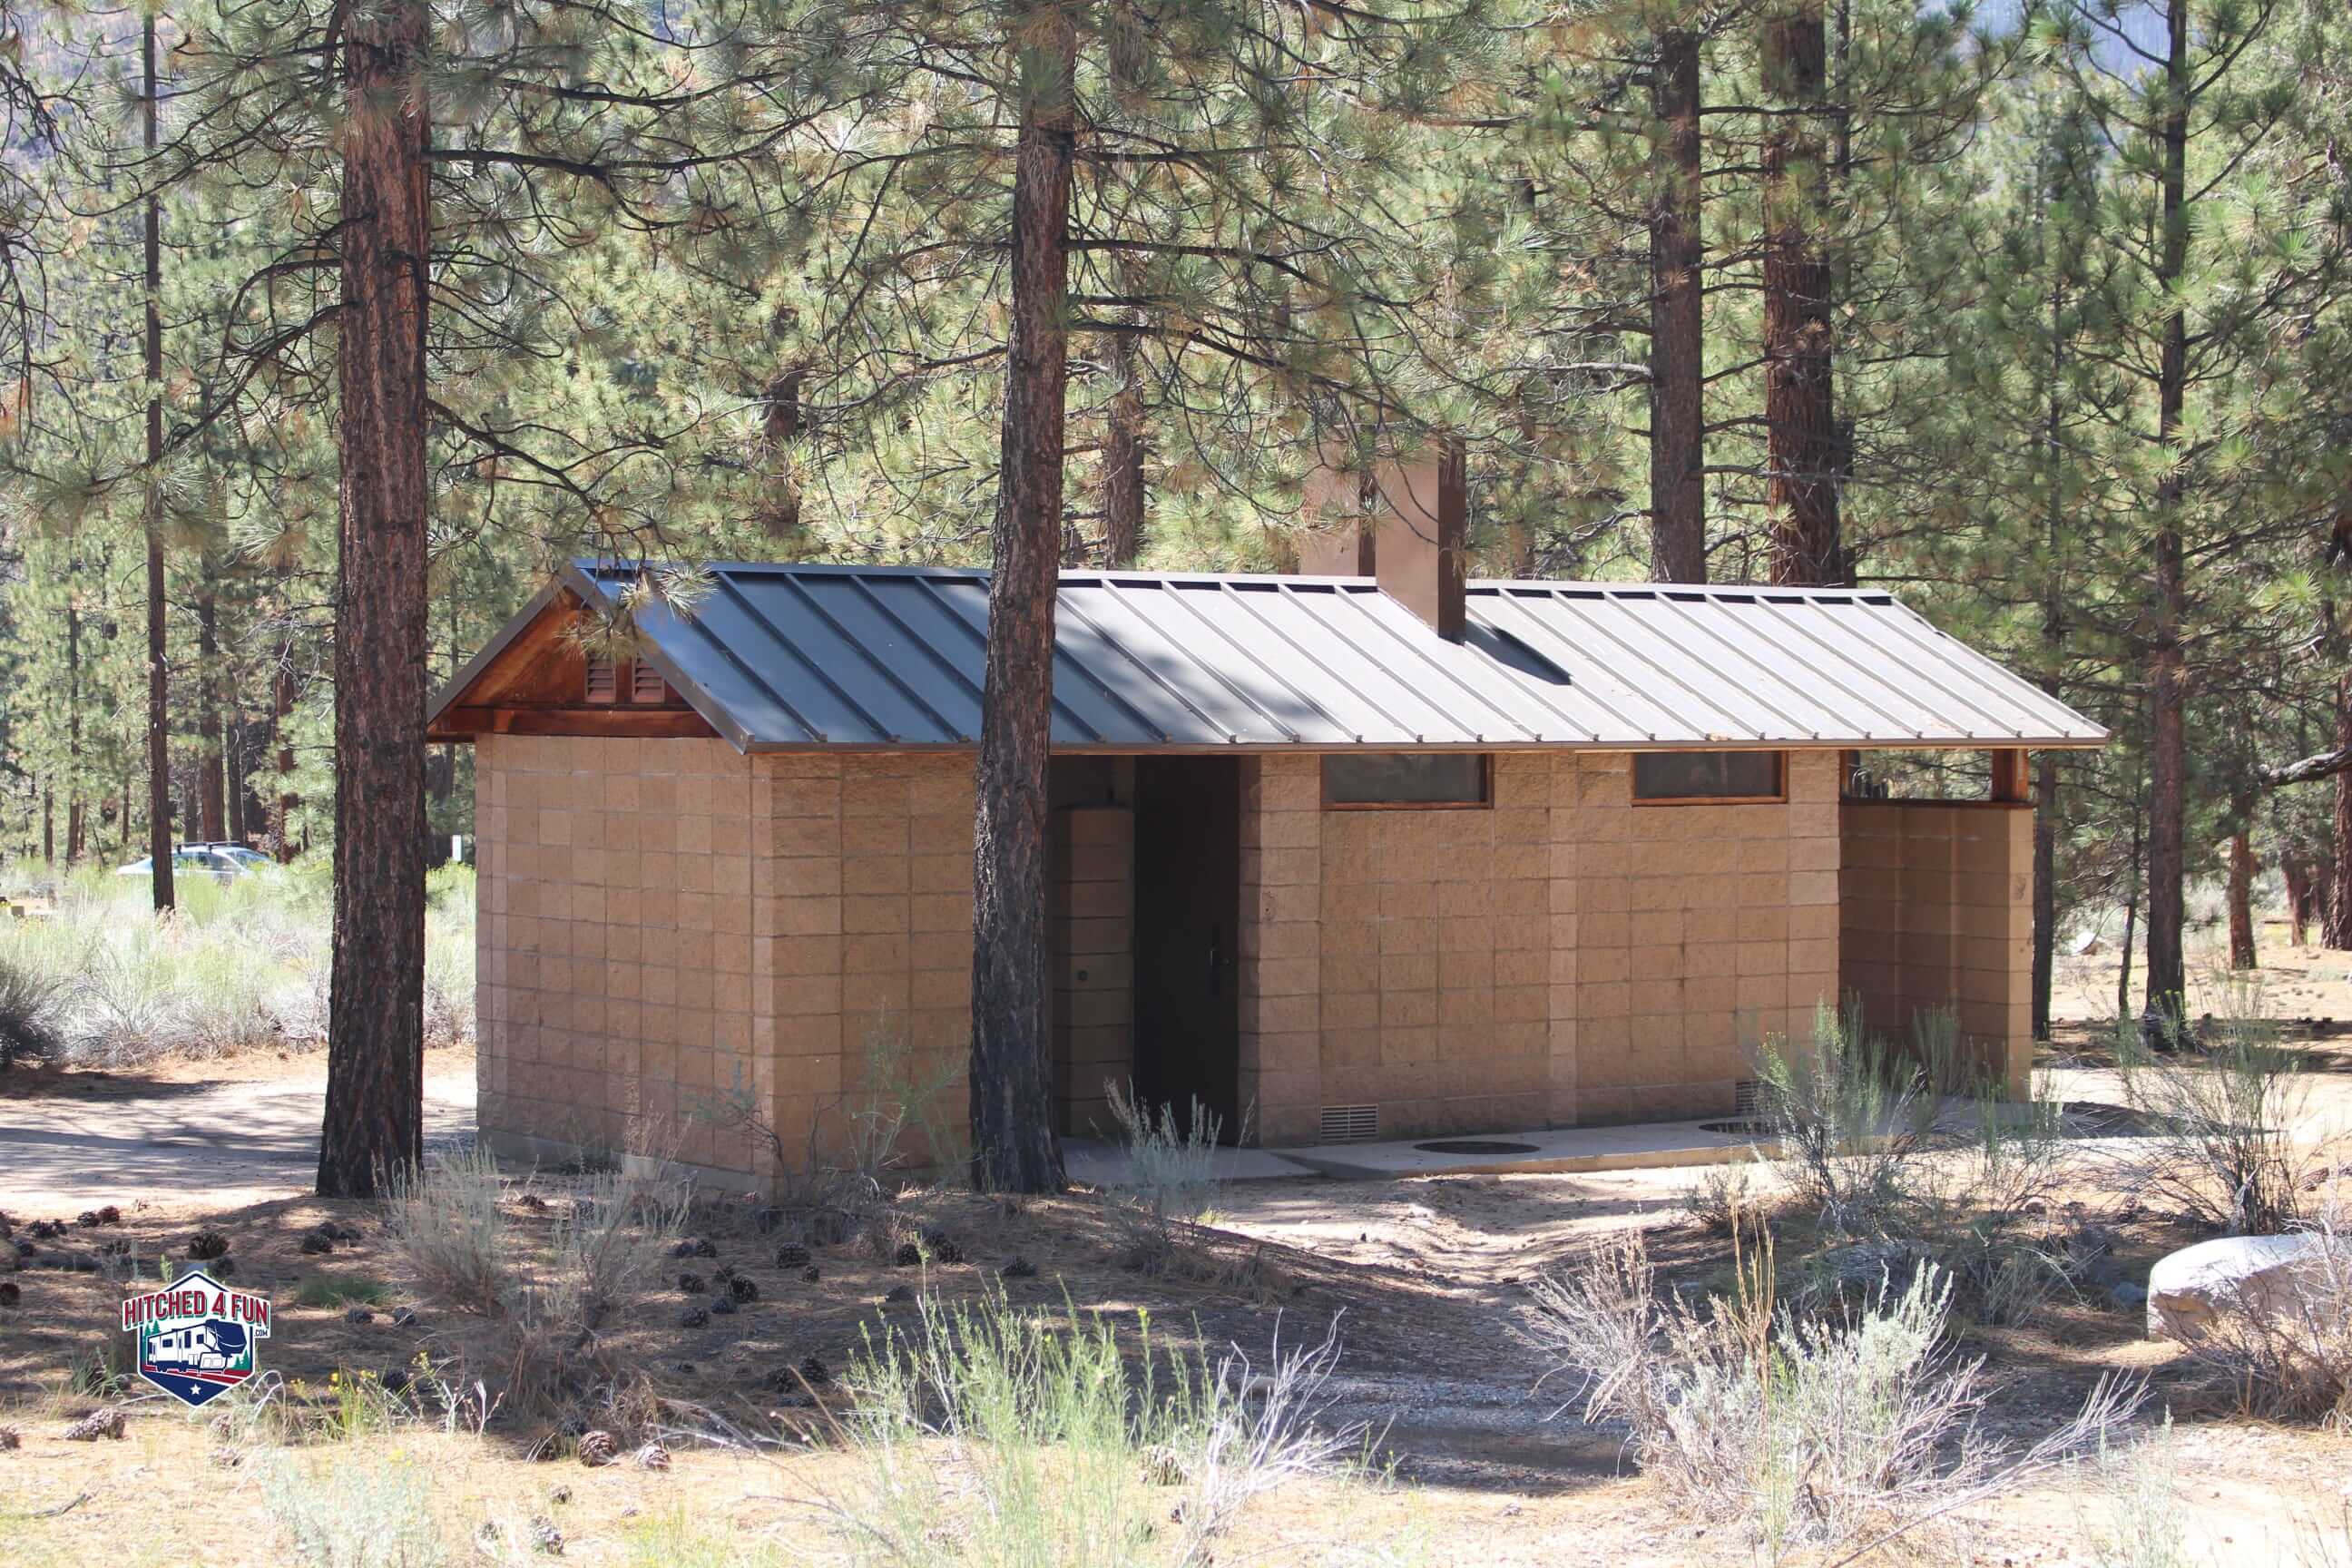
x=349 y=1511
x=1171 y=1182
x=2222 y=1111
x=1807 y=1433
x=986 y=1435
x=102 y=980
x=535 y=1308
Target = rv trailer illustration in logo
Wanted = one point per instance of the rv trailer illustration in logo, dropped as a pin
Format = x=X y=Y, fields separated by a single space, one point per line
x=197 y=1336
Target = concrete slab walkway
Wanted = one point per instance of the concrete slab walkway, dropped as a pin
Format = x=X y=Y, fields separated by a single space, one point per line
x=1553 y=1151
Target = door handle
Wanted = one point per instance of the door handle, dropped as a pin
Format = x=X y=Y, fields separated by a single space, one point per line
x=1216 y=977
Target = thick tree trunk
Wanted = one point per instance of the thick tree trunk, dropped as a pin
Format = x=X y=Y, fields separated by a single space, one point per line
x=73 y=719
x=2167 y=675
x=212 y=791
x=2296 y=872
x=48 y=827
x=1013 y=1146
x=2131 y=916
x=1803 y=449
x=374 y=1120
x=2241 y=900
x=1122 y=462
x=1677 y=332
x=158 y=682
x=2335 y=922
x=2045 y=888
x=233 y=744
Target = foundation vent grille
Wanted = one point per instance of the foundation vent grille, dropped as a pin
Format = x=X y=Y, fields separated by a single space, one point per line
x=1746 y=1095
x=1350 y=1123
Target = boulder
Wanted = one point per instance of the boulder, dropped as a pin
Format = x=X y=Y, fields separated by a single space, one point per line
x=2189 y=1290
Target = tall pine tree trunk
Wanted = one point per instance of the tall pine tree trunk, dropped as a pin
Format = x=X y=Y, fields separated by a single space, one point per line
x=74 y=819
x=2335 y=918
x=2045 y=888
x=212 y=791
x=375 y=1010
x=1803 y=452
x=1677 y=337
x=2241 y=900
x=159 y=683
x=1013 y=1146
x=1122 y=462
x=2167 y=676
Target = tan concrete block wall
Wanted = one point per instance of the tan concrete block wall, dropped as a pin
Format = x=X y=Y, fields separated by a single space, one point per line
x=1685 y=934
x=864 y=914
x=1093 y=936
x=616 y=957
x=1280 y=946
x=1937 y=911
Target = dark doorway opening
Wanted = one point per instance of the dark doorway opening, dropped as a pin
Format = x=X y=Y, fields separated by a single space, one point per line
x=1187 y=923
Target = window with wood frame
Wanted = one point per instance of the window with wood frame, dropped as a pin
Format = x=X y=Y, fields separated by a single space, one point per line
x=1406 y=780
x=1709 y=778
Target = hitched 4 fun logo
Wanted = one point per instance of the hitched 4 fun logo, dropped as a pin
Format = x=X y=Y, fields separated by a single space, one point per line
x=196 y=1335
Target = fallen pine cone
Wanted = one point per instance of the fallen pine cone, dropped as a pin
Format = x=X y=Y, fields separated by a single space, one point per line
x=942 y=1247
x=908 y=1255
x=532 y=1201
x=1020 y=1268
x=723 y=1273
x=545 y=1537
x=10 y=1438
x=792 y=1255
x=742 y=1289
x=207 y=1245
x=723 y=1305
x=598 y=1448
x=9 y=1294
x=899 y=1295
x=691 y=1285
x=315 y=1242
x=653 y=1456
x=45 y=1230
x=106 y=1422
x=694 y=1317
x=705 y=1247
x=109 y=1214
x=810 y=1275
x=682 y=1249
x=815 y=1372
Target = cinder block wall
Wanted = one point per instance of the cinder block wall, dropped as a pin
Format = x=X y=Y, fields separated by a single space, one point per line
x=1935 y=902
x=1093 y=897
x=1563 y=957
x=866 y=916
x=616 y=951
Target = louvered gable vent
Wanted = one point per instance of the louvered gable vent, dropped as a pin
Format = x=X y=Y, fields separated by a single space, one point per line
x=603 y=680
x=645 y=684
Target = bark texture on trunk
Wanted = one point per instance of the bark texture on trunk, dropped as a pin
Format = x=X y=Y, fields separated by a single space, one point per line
x=374 y=1118
x=2335 y=921
x=2167 y=675
x=1803 y=449
x=1011 y=1078
x=1122 y=462
x=782 y=517
x=1678 y=332
x=2241 y=900
x=212 y=789
x=158 y=674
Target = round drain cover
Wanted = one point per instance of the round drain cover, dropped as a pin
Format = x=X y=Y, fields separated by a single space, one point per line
x=1475 y=1146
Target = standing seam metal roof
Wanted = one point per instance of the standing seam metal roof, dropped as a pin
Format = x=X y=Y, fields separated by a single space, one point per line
x=805 y=657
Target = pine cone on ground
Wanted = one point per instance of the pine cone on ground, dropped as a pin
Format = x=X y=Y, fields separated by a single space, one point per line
x=9 y=1294
x=682 y=1249
x=815 y=1372
x=10 y=1438
x=942 y=1247
x=104 y=1422
x=899 y=1295
x=694 y=1317
x=544 y=1537
x=598 y=1448
x=907 y=1255
x=723 y=1273
x=653 y=1456
x=1020 y=1268
x=705 y=1247
x=315 y=1242
x=792 y=1255
x=724 y=1306
x=742 y=1289
x=205 y=1246
x=810 y=1275
x=691 y=1285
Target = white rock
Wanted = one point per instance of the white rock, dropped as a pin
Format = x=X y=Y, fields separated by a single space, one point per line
x=2189 y=1290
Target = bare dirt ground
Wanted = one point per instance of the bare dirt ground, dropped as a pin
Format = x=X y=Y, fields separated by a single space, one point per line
x=1427 y=1279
